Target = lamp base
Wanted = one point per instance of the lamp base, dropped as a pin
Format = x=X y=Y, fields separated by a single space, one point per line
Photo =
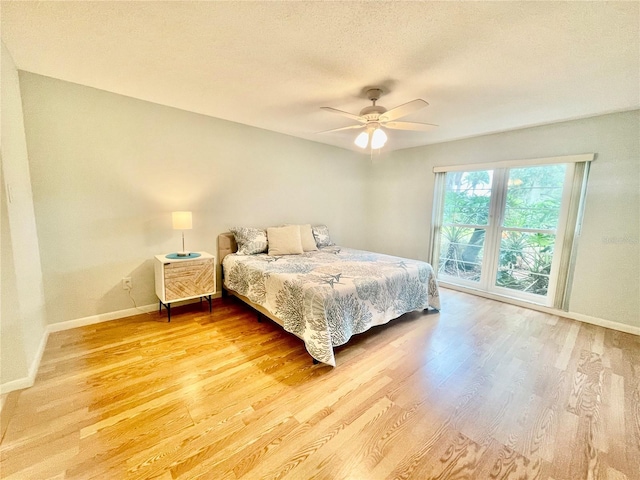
x=183 y=254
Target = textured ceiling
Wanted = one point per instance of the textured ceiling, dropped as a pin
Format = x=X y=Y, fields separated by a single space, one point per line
x=483 y=66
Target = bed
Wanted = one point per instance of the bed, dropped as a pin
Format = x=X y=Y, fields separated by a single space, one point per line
x=324 y=297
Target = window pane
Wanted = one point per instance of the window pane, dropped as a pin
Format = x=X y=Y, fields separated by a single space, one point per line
x=467 y=197
x=525 y=261
x=534 y=195
x=461 y=252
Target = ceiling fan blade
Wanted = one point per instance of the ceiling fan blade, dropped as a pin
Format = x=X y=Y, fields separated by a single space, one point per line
x=402 y=110
x=343 y=128
x=345 y=114
x=421 y=127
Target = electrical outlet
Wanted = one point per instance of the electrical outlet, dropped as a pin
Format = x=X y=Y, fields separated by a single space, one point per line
x=126 y=283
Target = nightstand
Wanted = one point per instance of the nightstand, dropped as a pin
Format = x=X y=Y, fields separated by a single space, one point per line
x=184 y=279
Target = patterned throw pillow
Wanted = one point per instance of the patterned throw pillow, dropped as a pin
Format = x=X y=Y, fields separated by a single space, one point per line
x=321 y=234
x=250 y=240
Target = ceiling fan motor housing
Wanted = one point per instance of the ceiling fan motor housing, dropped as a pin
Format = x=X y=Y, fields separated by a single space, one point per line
x=372 y=112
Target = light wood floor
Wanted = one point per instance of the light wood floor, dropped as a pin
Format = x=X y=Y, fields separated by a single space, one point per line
x=481 y=390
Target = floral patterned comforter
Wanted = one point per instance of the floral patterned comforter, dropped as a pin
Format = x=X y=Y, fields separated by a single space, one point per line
x=327 y=296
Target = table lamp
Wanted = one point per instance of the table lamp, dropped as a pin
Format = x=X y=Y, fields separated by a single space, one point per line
x=182 y=221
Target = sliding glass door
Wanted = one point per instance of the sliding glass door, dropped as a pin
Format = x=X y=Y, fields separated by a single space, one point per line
x=500 y=229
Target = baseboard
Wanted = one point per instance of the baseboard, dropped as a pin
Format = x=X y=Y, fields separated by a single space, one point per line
x=101 y=317
x=581 y=317
x=601 y=322
x=29 y=380
x=105 y=317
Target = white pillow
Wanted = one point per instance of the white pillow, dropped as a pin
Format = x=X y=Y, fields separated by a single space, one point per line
x=284 y=240
x=307 y=238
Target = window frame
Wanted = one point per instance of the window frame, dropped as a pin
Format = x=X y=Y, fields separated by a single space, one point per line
x=567 y=230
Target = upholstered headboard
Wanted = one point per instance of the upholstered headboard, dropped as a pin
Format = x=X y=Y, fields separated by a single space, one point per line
x=226 y=245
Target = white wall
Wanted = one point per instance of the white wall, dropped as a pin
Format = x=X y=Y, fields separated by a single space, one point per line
x=107 y=170
x=22 y=310
x=606 y=283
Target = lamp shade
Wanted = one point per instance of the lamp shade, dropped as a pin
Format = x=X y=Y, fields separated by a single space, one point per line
x=181 y=220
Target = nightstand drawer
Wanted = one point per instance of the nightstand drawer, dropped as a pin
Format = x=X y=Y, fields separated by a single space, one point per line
x=189 y=279
x=185 y=268
x=178 y=279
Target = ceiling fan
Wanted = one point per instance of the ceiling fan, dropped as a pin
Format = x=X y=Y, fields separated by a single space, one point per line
x=374 y=117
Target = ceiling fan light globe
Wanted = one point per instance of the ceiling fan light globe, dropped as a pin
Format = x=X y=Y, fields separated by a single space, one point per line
x=362 y=140
x=378 y=139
